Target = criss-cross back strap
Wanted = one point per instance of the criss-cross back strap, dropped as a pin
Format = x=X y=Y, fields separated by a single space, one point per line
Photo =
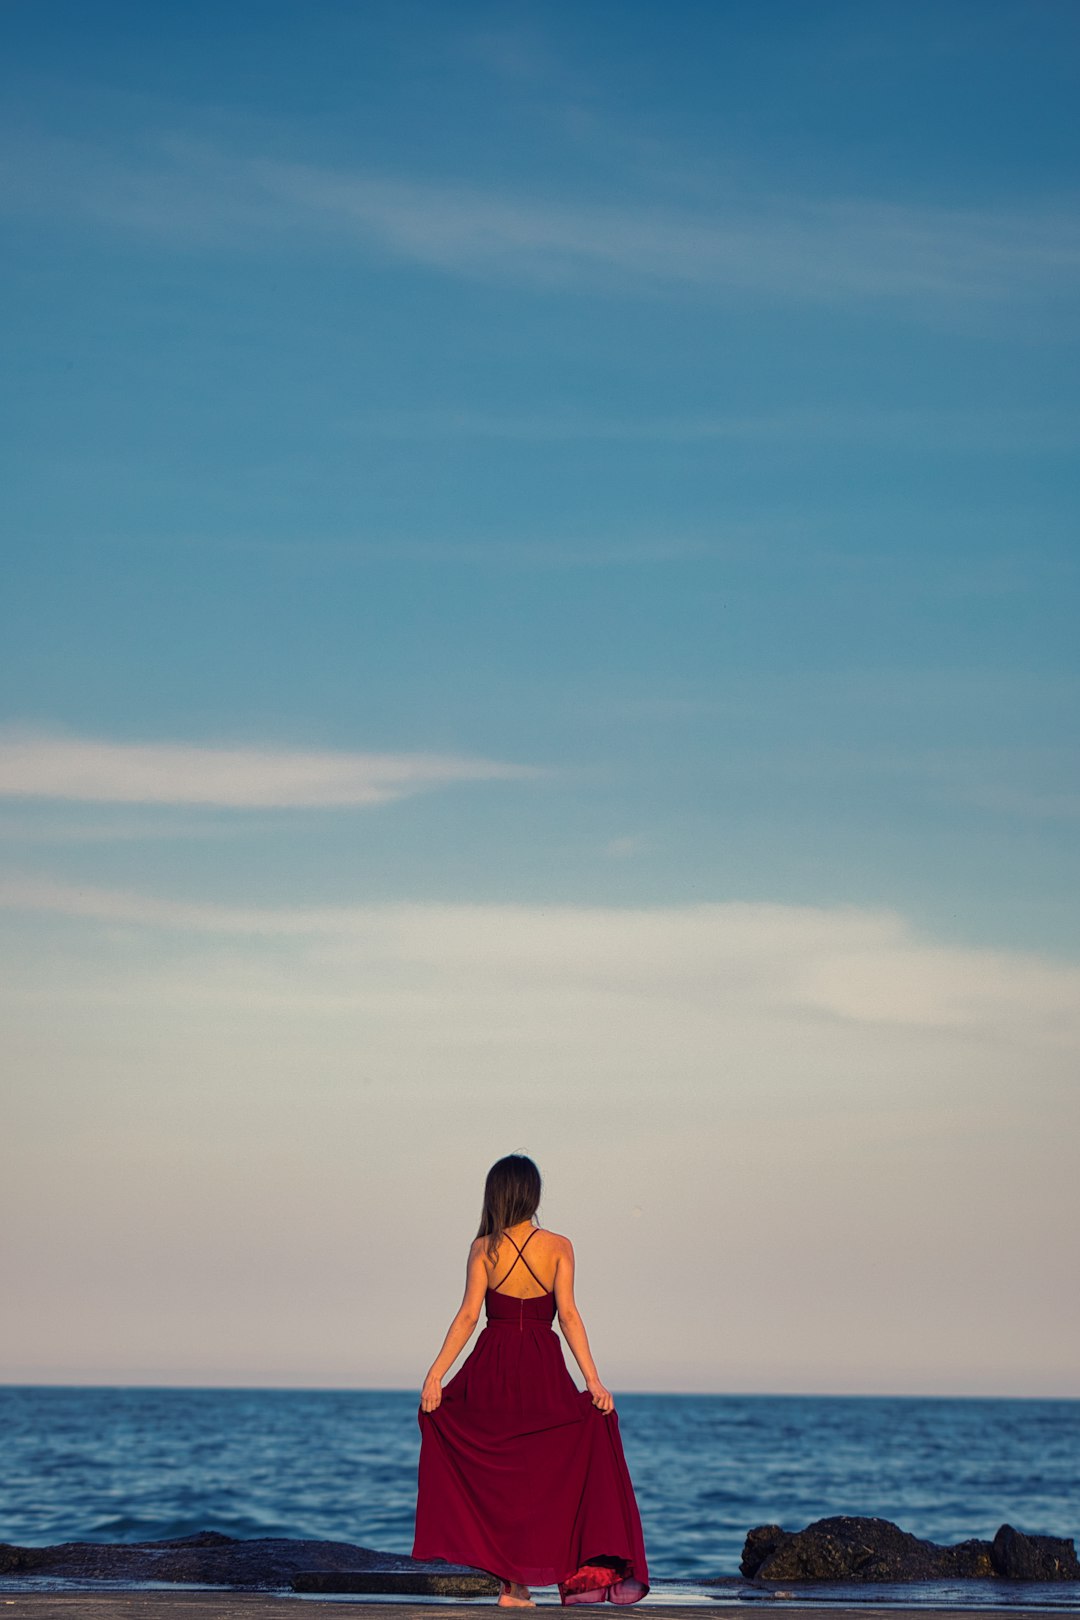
x=521 y=1257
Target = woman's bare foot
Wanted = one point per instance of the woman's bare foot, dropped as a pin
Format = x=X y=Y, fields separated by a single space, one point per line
x=513 y=1596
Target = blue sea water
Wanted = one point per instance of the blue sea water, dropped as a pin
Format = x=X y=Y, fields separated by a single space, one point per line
x=136 y=1464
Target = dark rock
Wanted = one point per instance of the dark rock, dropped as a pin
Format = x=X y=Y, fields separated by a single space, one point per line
x=760 y=1544
x=970 y=1559
x=1017 y=1557
x=13 y=1559
x=208 y=1557
x=855 y=1549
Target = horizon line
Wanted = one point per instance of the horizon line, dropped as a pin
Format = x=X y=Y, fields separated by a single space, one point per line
x=678 y=1394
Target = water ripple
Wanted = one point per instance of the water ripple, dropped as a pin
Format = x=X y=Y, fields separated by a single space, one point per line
x=114 y=1464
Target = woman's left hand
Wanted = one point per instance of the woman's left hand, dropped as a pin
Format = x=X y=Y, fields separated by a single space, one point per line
x=431 y=1394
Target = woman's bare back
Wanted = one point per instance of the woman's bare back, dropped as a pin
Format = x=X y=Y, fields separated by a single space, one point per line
x=534 y=1272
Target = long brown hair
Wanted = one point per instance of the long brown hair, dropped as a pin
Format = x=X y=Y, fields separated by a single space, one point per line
x=511 y=1194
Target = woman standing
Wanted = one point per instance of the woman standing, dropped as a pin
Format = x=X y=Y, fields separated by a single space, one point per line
x=521 y=1473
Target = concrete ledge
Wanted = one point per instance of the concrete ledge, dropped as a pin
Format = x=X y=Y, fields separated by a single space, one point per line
x=175 y=1605
x=408 y=1583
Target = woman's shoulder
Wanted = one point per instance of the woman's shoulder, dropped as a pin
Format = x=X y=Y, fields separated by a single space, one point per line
x=556 y=1240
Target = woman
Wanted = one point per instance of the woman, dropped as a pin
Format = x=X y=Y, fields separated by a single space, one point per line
x=521 y=1473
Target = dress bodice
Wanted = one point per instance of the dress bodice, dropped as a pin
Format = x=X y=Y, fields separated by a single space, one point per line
x=520 y=1313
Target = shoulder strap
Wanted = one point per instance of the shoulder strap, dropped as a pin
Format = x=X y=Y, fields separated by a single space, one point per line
x=521 y=1257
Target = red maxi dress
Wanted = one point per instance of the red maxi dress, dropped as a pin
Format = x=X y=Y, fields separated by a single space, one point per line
x=520 y=1474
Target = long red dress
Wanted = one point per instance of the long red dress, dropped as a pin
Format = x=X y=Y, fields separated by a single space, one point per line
x=520 y=1474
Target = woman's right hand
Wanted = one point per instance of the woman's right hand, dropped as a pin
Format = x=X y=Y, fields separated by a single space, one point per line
x=431 y=1394
x=602 y=1398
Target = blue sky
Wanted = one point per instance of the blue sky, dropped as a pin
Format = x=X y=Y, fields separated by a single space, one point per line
x=558 y=461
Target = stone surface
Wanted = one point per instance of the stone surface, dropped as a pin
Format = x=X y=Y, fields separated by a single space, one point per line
x=189 y=1604
x=1018 y=1557
x=412 y=1584
x=215 y=1559
x=855 y=1549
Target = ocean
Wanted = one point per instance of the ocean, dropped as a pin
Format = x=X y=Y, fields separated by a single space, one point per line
x=138 y=1464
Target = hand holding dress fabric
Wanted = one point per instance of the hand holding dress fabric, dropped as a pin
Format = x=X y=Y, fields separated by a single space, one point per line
x=602 y=1398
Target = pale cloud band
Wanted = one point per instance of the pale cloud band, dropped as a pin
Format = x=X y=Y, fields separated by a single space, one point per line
x=717 y=960
x=94 y=770
x=849 y=1144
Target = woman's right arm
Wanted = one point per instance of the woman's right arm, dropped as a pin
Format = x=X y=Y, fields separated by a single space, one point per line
x=460 y=1330
x=573 y=1328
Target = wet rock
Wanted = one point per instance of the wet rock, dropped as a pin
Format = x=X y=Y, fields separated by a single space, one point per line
x=760 y=1545
x=208 y=1557
x=1017 y=1557
x=856 y=1549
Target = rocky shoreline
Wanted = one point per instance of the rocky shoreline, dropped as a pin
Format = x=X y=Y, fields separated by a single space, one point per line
x=835 y=1550
x=855 y=1549
x=253 y=1564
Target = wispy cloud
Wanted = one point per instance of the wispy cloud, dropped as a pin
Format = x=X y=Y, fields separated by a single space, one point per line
x=624 y=847
x=98 y=771
x=1003 y=431
x=847 y=963
x=33 y=828
x=512 y=552
x=517 y=53
x=748 y=242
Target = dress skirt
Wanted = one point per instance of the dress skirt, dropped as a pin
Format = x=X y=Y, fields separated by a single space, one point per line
x=520 y=1474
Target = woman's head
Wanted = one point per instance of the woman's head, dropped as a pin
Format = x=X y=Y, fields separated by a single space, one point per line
x=511 y=1195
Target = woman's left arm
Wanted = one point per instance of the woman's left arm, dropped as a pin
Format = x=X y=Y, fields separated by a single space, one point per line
x=460 y=1330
